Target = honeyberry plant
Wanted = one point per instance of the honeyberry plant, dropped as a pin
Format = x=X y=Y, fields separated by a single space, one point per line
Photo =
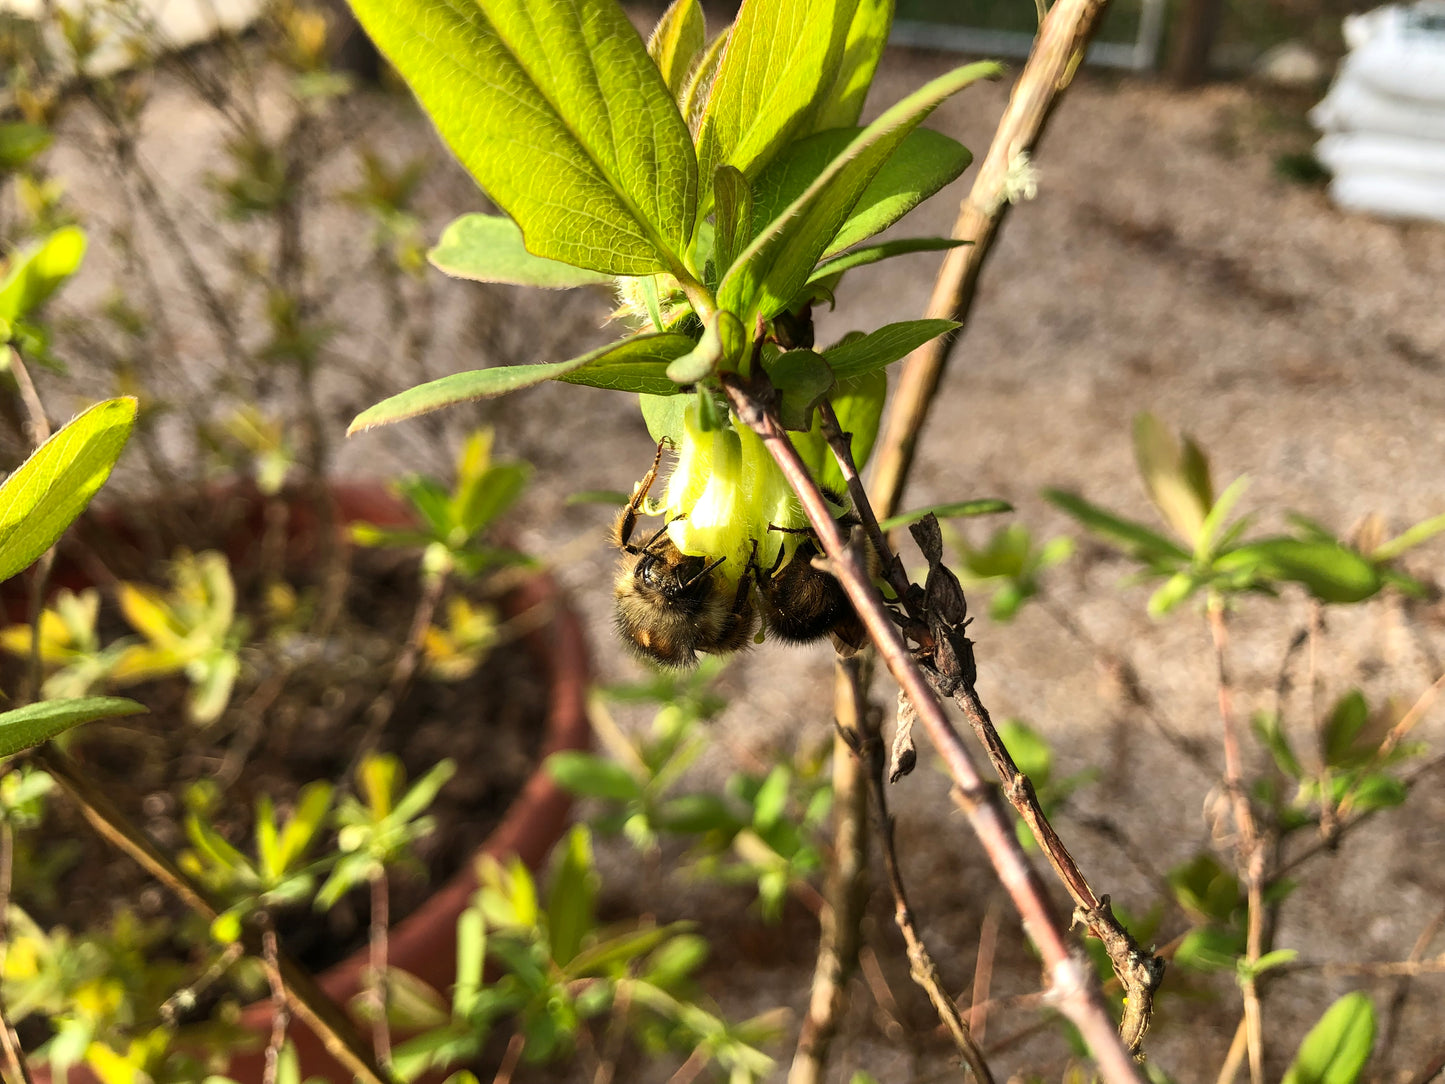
x=724 y=187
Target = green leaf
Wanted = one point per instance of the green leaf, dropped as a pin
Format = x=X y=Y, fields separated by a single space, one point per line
x=20 y=142
x=630 y=360
x=1209 y=948
x=573 y=896
x=1133 y=538
x=489 y=248
x=841 y=104
x=780 y=56
x=1267 y=728
x=561 y=116
x=663 y=415
x=922 y=163
x=1328 y=571
x=27 y=727
x=881 y=348
x=1336 y=1049
x=858 y=404
x=605 y=955
x=37 y=271
x=771 y=800
x=593 y=777
x=1172 y=592
x=694 y=814
x=703 y=359
x=1347 y=720
x=779 y=260
x=1029 y=750
x=1218 y=513
x=983 y=506
x=44 y=494
x=802 y=377
x=1421 y=532
x=734 y=217
x=884 y=250
x=1377 y=791
x=676 y=43
x=698 y=91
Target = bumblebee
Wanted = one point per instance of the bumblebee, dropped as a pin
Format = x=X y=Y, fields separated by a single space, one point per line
x=671 y=605
x=801 y=603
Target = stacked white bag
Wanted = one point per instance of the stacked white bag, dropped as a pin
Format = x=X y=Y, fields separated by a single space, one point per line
x=1384 y=117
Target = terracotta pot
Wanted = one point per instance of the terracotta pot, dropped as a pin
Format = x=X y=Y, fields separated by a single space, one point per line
x=424 y=943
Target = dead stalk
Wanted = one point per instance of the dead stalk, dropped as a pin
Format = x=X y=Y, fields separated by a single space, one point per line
x=1249 y=848
x=983 y=973
x=280 y=1003
x=842 y=913
x=921 y=966
x=1138 y=970
x=377 y=980
x=1073 y=988
x=1063 y=36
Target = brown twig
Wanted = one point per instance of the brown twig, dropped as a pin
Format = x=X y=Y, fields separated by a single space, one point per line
x=280 y=1001
x=1249 y=847
x=1401 y=993
x=1063 y=36
x=511 y=1058
x=921 y=967
x=307 y=1000
x=842 y=914
x=1138 y=970
x=1068 y=977
x=1433 y=1068
x=983 y=973
x=377 y=980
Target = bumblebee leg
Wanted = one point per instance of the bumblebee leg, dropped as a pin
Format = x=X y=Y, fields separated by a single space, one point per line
x=627 y=520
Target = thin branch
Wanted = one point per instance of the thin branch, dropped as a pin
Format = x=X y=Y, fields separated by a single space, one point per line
x=842 y=914
x=280 y=1002
x=1063 y=36
x=1068 y=978
x=1248 y=847
x=1138 y=970
x=1433 y=1068
x=983 y=973
x=380 y=987
x=1401 y=994
x=920 y=961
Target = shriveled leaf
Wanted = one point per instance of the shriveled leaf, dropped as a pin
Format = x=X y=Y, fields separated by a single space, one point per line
x=27 y=727
x=841 y=104
x=36 y=271
x=779 y=260
x=489 y=248
x=1170 y=485
x=781 y=54
x=45 y=493
x=616 y=359
x=529 y=97
x=1336 y=1049
x=677 y=42
x=983 y=506
x=883 y=347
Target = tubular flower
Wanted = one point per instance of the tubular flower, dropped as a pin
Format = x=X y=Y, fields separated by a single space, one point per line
x=727 y=498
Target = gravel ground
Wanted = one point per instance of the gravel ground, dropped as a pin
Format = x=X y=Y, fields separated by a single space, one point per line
x=1164 y=266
